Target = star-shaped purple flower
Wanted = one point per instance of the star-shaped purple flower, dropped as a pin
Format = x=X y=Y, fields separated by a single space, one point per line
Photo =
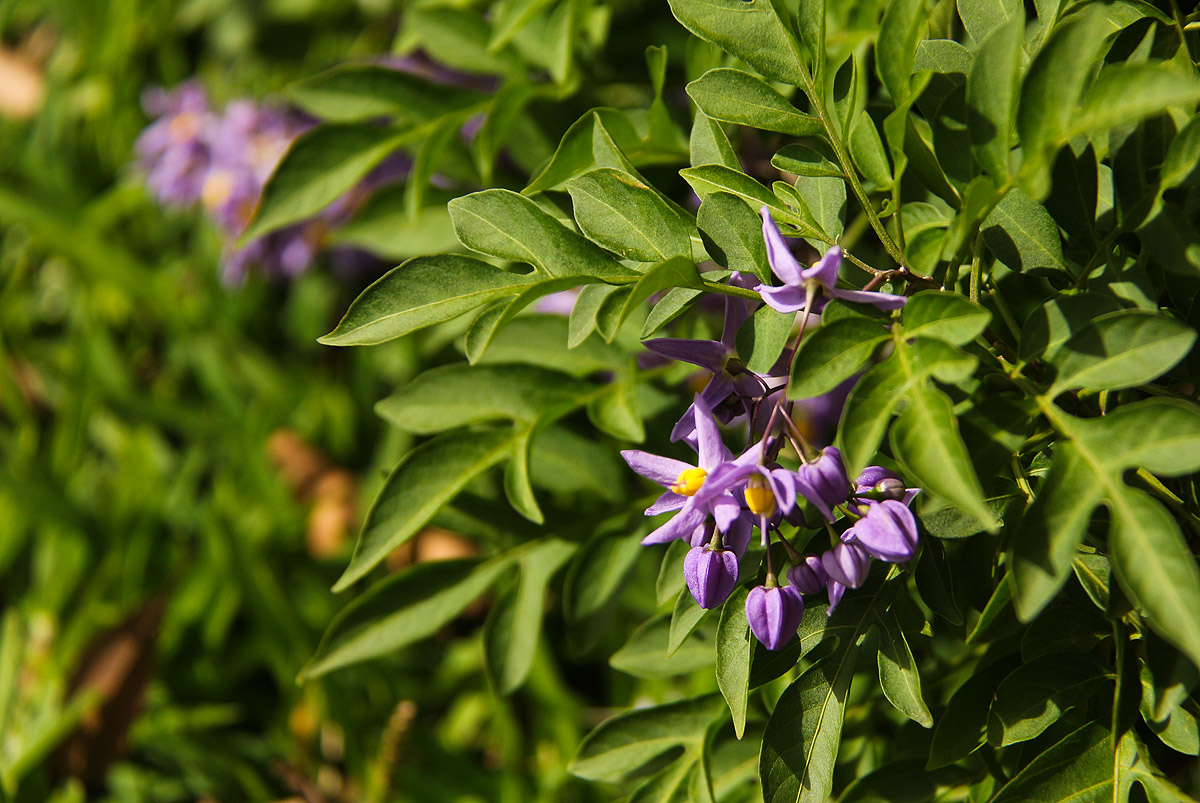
x=695 y=491
x=810 y=287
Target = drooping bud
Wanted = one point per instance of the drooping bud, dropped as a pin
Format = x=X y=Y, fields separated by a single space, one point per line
x=774 y=614
x=824 y=482
x=888 y=531
x=847 y=563
x=711 y=574
x=809 y=576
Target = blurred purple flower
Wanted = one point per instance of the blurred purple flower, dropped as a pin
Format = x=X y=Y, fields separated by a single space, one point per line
x=810 y=287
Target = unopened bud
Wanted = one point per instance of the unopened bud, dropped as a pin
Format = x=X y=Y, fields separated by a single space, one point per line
x=773 y=615
x=711 y=574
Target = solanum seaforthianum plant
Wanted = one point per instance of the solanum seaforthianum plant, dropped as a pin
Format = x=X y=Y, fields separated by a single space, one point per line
x=913 y=387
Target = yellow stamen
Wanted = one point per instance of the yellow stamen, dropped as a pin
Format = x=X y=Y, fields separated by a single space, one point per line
x=759 y=497
x=689 y=481
x=216 y=190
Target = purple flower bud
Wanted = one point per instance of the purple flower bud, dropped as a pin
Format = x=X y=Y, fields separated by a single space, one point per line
x=847 y=563
x=891 y=488
x=888 y=531
x=824 y=482
x=774 y=614
x=808 y=577
x=711 y=574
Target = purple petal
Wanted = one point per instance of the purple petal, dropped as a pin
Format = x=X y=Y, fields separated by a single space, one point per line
x=708 y=354
x=826 y=268
x=884 y=301
x=711 y=448
x=715 y=392
x=666 y=503
x=738 y=536
x=788 y=298
x=725 y=510
x=783 y=264
x=835 y=590
x=681 y=526
x=663 y=470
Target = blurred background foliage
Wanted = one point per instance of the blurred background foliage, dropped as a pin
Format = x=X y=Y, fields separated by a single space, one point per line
x=184 y=468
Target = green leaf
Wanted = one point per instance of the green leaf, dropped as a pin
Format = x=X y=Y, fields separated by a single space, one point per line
x=629 y=218
x=684 y=620
x=367 y=92
x=1022 y=235
x=734 y=96
x=1078 y=767
x=800 y=743
x=992 y=85
x=709 y=144
x=833 y=353
x=1160 y=435
x=925 y=438
x=826 y=198
x=514 y=624
x=1056 y=321
x=1121 y=350
x=756 y=31
x=899 y=33
x=1052 y=88
x=675 y=272
x=1124 y=94
x=426 y=479
x=576 y=153
x=734 y=648
x=803 y=160
x=961 y=727
x=386 y=227
x=400 y=610
x=318 y=168
x=458 y=395
x=504 y=224
x=810 y=18
x=762 y=338
x=670 y=572
x=898 y=675
x=866 y=148
x=870 y=405
x=420 y=293
x=1034 y=696
x=732 y=233
x=518 y=486
x=627 y=741
x=981 y=17
x=945 y=316
x=617 y=413
x=599 y=569
x=645 y=655
x=707 y=180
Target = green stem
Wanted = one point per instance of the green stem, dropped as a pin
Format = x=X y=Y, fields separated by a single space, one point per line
x=817 y=106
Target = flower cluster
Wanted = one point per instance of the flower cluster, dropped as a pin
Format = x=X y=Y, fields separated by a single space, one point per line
x=721 y=498
x=193 y=154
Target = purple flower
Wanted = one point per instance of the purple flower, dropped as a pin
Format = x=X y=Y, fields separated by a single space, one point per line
x=824 y=482
x=695 y=491
x=883 y=483
x=809 y=576
x=711 y=574
x=173 y=151
x=847 y=563
x=774 y=614
x=817 y=417
x=810 y=287
x=888 y=531
x=730 y=376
